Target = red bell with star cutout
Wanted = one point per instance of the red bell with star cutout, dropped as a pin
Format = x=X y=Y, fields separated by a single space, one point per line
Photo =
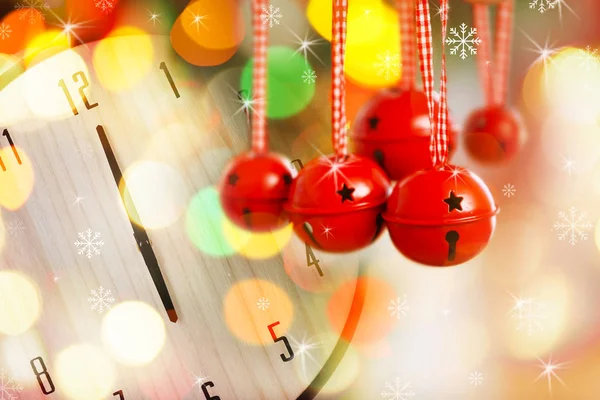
x=254 y=188
x=493 y=133
x=393 y=129
x=441 y=217
x=336 y=202
x=336 y=205
x=255 y=185
x=444 y=215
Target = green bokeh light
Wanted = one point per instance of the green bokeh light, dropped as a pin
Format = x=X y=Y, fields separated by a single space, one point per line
x=287 y=93
x=204 y=223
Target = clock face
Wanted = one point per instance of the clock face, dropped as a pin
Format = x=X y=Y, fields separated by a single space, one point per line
x=119 y=275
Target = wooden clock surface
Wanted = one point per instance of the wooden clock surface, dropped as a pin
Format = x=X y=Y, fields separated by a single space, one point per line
x=171 y=135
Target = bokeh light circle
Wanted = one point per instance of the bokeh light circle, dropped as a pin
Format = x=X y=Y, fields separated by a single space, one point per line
x=247 y=321
x=21 y=303
x=18 y=180
x=204 y=223
x=256 y=245
x=46 y=45
x=156 y=191
x=287 y=93
x=84 y=372
x=10 y=69
x=134 y=332
x=121 y=63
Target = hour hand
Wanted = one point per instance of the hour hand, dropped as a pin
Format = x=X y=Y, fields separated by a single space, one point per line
x=139 y=233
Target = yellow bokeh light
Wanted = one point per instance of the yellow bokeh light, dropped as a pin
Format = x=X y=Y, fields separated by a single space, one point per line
x=256 y=245
x=134 y=332
x=250 y=323
x=84 y=372
x=345 y=374
x=41 y=87
x=10 y=69
x=21 y=348
x=157 y=192
x=123 y=60
x=18 y=179
x=597 y=235
x=20 y=303
x=46 y=45
x=548 y=296
x=2 y=233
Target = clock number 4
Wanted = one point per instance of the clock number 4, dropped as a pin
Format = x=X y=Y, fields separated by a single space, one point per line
x=77 y=76
x=165 y=69
x=42 y=371
x=285 y=341
x=14 y=149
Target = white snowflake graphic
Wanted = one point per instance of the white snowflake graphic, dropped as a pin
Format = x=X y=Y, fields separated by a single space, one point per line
x=572 y=226
x=464 y=40
x=398 y=307
x=34 y=10
x=5 y=31
x=309 y=76
x=476 y=378
x=105 y=5
x=397 y=391
x=89 y=245
x=388 y=65
x=509 y=190
x=588 y=58
x=272 y=16
x=543 y=5
x=263 y=304
x=9 y=389
x=100 y=300
x=15 y=227
x=84 y=151
x=529 y=314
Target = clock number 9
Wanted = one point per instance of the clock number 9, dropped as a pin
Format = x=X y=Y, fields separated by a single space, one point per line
x=84 y=85
x=285 y=341
x=39 y=374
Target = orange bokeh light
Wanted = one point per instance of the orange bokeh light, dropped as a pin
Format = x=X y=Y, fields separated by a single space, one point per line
x=23 y=29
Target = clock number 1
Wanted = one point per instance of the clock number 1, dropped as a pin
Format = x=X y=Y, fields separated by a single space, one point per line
x=77 y=76
x=165 y=69
x=285 y=341
x=12 y=146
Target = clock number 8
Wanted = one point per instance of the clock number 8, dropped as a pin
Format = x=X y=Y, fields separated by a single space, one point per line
x=84 y=85
x=39 y=374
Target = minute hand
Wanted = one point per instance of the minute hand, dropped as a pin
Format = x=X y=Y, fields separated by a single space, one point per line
x=140 y=234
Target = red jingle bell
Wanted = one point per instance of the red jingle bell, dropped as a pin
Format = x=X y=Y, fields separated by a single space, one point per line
x=493 y=134
x=336 y=206
x=254 y=188
x=393 y=129
x=441 y=217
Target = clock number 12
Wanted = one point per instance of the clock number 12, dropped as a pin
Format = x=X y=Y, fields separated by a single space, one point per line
x=12 y=146
x=77 y=76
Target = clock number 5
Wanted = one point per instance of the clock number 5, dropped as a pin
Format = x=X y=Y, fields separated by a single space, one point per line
x=77 y=76
x=39 y=374
x=285 y=341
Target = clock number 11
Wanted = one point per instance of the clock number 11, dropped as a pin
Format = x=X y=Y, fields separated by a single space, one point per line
x=12 y=146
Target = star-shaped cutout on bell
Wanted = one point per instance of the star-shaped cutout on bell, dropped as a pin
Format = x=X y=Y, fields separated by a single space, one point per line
x=454 y=202
x=346 y=193
x=232 y=179
x=287 y=179
x=373 y=122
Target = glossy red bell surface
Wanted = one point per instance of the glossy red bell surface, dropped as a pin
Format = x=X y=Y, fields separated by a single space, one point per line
x=393 y=129
x=493 y=134
x=336 y=206
x=441 y=217
x=253 y=189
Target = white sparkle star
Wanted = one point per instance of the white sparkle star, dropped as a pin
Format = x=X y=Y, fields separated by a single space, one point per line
x=305 y=45
x=304 y=350
x=327 y=231
x=568 y=165
x=544 y=53
x=549 y=369
x=154 y=17
x=78 y=200
x=197 y=20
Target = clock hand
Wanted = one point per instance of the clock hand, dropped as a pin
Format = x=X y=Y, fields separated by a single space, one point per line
x=140 y=234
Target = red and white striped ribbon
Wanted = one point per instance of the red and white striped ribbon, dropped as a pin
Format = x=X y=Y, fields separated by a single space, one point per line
x=439 y=134
x=338 y=82
x=259 y=78
x=406 y=13
x=494 y=73
x=481 y=20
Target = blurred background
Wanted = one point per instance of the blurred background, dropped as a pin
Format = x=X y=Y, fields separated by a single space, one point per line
x=520 y=321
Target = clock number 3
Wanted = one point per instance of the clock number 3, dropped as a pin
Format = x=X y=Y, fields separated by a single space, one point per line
x=77 y=76
x=6 y=134
x=285 y=341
